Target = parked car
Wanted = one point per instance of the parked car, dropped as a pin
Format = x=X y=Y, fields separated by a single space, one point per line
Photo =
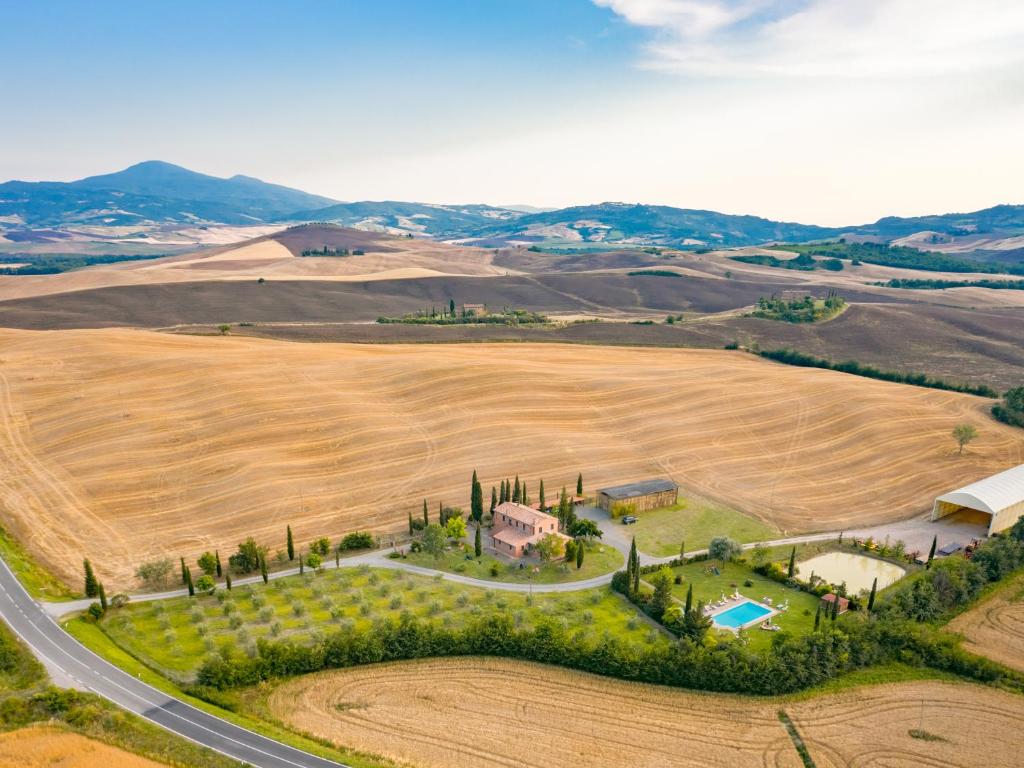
x=629 y=519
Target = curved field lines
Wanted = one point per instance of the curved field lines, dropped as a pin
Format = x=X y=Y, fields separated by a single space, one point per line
x=491 y=713
x=995 y=628
x=128 y=445
x=955 y=726
x=450 y=713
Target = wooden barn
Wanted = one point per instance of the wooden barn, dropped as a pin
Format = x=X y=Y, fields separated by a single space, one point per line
x=644 y=496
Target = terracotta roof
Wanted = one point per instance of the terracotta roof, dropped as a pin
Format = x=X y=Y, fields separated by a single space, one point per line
x=512 y=536
x=524 y=514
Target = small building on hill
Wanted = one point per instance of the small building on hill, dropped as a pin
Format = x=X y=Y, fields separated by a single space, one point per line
x=644 y=496
x=830 y=598
x=1000 y=496
x=477 y=310
x=517 y=529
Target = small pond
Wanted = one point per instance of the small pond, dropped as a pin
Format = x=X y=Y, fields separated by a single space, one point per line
x=858 y=571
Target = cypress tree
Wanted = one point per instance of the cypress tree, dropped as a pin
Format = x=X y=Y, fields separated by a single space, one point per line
x=410 y=523
x=871 y=597
x=184 y=572
x=91 y=585
x=579 y=555
x=792 y=562
x=426 y=519
x=689 y=598
x=494 y=499
x=579 y=484
x=634 y=567
x=563 y=509
x=188 y=583
x=337 y=555
x=682 y=549
x=219 y=569
x=476 y=499
x=102 y=596
x=477 y=545
x=541 y=494
x=291 y=545
x=523 y=498
x=302 y=564
x=263 y=569
x=227 y=580
x=835 y=608
x=817 y=617
x=451 y=307
x=501 y=493
x=516 y=495
x=440 y=513
x=931 y=552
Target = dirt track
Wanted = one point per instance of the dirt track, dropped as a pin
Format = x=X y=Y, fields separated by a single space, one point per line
x=519 y=714
x=125 y=445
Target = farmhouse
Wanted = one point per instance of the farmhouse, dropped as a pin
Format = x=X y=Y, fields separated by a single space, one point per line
x=1001 y=497
x=644 y=496
x=830 y=598
x=477 y=310
x=517 y=528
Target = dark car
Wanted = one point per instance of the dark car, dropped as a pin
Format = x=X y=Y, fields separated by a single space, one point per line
x=629 y=519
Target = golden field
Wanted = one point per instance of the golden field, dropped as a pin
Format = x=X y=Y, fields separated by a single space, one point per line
x=125 y=445
x=458 y=713
x=995 y=627
x=48 y=747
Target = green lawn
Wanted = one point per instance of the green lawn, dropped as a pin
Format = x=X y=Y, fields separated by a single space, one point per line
x=696 y=521
x=39 y=582
x=707 y=587
x=174 y=636
x=598 y=560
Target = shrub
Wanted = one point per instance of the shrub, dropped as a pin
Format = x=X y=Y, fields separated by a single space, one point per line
x=357 y=540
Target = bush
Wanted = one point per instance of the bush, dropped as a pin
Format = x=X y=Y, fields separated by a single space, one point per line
x=357 y=540
x=205 y=584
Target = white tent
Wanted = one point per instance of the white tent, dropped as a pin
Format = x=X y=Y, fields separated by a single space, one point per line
x=1001 y=496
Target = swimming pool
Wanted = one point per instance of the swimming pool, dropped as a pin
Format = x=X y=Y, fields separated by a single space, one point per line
x=741 y=615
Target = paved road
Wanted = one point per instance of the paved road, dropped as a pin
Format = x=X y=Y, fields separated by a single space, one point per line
x=59 y=651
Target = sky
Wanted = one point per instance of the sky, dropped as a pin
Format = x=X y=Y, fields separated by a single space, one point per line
x=834 y=112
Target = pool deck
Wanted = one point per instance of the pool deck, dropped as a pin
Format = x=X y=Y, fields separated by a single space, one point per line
x=733 y=602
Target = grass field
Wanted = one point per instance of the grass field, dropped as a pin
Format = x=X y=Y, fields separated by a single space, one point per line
x=694 y=521
x=995 y=627
x=708 y=588
x=128 y=445
x=560 y=719
x=599 y=559
x=174 y=636
x=42 y=746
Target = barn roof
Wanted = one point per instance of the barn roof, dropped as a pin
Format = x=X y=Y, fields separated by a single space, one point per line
x=632 y=490
x=993 y=494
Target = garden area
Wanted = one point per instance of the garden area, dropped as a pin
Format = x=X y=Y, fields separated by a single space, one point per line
x=175 y=636
x=598 y=559
x=694 y=522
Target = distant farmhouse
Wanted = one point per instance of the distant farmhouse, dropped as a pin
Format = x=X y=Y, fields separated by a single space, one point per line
x=1001 y=497
x=517 y=528
x=477 y=310
x=644 y=496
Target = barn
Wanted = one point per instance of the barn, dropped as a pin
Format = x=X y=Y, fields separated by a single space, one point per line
x=644 y=496
x=1001 y=497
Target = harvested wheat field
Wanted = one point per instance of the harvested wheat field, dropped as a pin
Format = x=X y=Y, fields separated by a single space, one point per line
x=511 y=713
x=995 y=627
x=125 y=445
x=48 y=747
x=871 y=727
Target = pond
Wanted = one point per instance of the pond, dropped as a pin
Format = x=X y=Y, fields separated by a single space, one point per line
x=858 y=571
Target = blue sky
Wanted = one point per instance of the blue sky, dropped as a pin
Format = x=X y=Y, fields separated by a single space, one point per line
x=810 y=110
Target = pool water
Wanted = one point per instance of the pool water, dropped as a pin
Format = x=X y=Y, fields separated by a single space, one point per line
x=740 y=615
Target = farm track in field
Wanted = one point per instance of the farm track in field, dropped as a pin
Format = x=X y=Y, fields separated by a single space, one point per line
x=129 y=445
x=513 y=713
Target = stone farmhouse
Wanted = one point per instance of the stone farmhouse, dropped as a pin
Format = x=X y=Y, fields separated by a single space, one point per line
x=517 y=528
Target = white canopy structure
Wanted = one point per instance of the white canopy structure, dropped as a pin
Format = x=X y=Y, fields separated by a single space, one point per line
x=1001 y=496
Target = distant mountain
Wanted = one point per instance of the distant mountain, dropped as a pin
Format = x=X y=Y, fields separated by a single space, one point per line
x=151 y=192
x=446 y=222
x=158 y=193
x=627 y=224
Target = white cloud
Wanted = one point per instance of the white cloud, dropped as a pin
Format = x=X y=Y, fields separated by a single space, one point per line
x=828 y=37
